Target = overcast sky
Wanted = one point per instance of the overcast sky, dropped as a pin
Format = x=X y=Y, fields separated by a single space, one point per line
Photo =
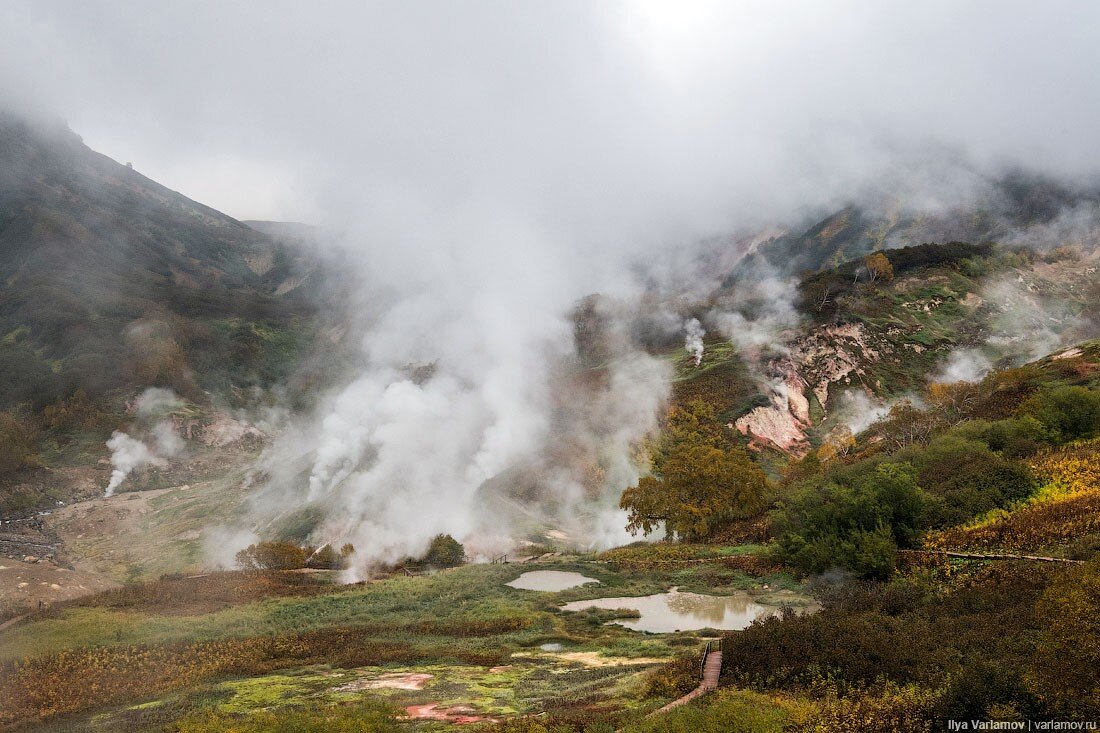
x=607 y=117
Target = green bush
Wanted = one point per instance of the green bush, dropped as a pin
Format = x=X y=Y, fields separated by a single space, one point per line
x=1014 y=438
x=963 y=478
x=853 y=518
x=1069 y=413
x=444 y=552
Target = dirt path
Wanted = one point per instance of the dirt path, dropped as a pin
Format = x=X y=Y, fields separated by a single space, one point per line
x=13 y=621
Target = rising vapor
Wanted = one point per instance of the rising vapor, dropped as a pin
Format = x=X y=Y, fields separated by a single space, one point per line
x=480 y=191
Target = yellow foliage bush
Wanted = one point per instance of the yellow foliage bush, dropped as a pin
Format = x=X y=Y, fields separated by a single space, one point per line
x=1066 y=507
x=890 y=708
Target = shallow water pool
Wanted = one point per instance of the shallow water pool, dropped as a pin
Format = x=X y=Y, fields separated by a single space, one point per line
x=676 y=611
x=550 y=580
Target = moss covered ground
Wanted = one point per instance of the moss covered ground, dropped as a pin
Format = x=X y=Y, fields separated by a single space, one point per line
x=499 y=651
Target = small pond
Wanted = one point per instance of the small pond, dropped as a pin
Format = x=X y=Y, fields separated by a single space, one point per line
x=675 y=611
x=550 y=580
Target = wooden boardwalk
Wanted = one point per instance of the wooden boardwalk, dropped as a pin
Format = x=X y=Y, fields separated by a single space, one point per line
x=712 y=670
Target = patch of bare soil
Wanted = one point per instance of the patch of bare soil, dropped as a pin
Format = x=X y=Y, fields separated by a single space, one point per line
x=101 y=517
x=454 y=714
x=394 y=681
x=24 y=584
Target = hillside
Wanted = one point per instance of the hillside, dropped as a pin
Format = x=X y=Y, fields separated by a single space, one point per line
x=111 y=280
x=111 y=284
x=1017 y=207
x=896 y=637
x=945 y=312
x=879 y=409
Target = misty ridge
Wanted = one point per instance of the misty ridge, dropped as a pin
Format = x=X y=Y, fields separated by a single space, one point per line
x=481 y=392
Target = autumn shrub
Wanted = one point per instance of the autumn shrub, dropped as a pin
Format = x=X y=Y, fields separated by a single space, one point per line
x=77 y=412
x=673 y=679
x=1032 y=528
x=16 y=444
x=183 y=595
x=883 y=708
x=272 y=556
x=908 y=634
x=1065 y=511
x=1067 y=658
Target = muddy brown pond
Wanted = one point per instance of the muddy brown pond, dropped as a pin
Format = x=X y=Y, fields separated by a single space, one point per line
x=676 y=611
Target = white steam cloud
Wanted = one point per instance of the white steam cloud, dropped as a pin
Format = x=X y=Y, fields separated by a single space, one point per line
x=693 y=339
x=859 y=410
x=763 y=308
x=963 y=365
x=162 y=442
x=128 y=454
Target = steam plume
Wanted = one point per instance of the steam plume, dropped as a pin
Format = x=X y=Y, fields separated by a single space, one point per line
x=129 y=453
x=693 y=339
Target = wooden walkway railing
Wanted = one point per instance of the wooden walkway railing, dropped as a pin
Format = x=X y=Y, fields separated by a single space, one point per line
x=710 y=669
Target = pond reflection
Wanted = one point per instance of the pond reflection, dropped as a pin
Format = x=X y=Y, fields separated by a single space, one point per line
x=675 y=611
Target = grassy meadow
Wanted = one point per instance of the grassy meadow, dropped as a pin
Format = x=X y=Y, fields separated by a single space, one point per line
x=228 y=643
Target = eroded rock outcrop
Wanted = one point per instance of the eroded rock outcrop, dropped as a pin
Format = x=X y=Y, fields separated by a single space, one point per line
x=827 y=356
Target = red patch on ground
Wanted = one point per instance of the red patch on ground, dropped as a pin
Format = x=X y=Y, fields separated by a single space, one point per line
x=456 y=714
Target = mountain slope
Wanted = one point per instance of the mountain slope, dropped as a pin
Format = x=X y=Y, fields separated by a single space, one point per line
x=1017 y=208
x=946 y=312
x=110 y=279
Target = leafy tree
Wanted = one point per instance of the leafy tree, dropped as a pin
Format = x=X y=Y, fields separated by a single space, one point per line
x=444 y=552
x=878 y=267
x=700 y=480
